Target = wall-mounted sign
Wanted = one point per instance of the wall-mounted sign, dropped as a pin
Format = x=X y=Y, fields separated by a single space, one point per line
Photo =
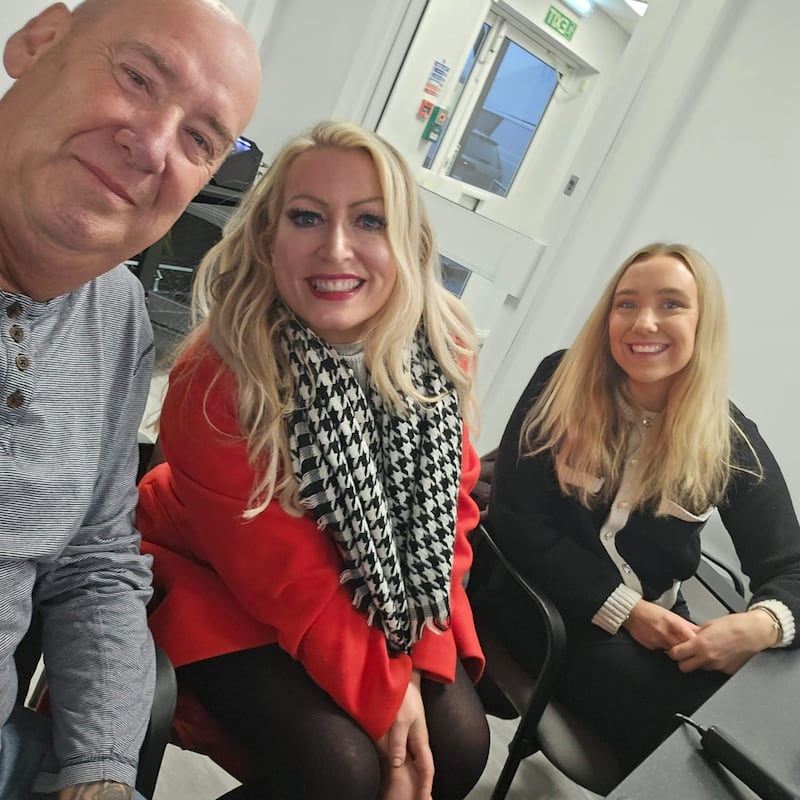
x=436 y=79
x=425 y=109
x=560 y=23
x=433 y=128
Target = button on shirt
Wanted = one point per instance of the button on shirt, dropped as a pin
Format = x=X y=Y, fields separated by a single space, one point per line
x=74 y=377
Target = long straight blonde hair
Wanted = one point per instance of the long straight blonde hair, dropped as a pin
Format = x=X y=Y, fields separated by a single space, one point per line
x=579 y=420
x=237 y=308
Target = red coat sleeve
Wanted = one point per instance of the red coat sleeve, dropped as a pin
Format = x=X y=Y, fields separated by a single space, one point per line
x=281 y=569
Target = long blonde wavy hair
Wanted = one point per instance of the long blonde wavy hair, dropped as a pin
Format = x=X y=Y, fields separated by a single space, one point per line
x=578 y=417
x=237 y=310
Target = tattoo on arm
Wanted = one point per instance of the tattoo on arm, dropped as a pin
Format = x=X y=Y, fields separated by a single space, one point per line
x=99 y=790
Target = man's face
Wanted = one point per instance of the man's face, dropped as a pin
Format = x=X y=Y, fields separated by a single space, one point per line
x=117 y=123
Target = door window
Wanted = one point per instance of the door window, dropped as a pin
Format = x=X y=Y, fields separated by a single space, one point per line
x=505 y=119
x=505 y=88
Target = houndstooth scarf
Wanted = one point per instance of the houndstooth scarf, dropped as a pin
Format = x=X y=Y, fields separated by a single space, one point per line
x=384 y=486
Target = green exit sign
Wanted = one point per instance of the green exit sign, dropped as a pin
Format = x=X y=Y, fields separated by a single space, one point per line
x=560 y=23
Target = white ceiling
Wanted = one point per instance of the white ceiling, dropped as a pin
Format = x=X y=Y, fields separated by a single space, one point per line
x=620 y=12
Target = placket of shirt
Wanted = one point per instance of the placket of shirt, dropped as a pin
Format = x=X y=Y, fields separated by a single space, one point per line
x=19 y=375
x=620 y=510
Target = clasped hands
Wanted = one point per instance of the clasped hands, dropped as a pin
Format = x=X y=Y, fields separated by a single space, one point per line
x=725 y=643
x=409 y=761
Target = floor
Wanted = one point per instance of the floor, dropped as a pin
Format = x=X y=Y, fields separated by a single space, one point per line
x=189 y=776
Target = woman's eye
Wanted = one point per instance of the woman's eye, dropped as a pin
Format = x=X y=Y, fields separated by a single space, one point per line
x=303 y=219
x=372 y=222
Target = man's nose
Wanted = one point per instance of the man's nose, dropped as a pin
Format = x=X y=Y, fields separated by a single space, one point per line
x=149 y=137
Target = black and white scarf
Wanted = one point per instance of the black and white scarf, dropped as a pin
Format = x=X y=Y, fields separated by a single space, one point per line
x=384 y=486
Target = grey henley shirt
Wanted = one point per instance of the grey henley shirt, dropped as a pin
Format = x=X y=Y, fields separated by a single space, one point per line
x=74 y=377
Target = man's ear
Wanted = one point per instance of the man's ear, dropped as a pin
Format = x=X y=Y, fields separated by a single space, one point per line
x=39 y=35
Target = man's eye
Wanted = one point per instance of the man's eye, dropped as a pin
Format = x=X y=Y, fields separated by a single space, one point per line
x=135 y=77
x=201 y=140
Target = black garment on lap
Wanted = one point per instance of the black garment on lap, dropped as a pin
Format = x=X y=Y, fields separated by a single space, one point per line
x=626 y=693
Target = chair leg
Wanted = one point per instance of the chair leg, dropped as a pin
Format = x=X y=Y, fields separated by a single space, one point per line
x=506 y=778
x=158 y=730
x=519 y=747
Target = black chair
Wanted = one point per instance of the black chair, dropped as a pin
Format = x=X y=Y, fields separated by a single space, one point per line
x=158 y=729
x=160 y=726
x=509 y=690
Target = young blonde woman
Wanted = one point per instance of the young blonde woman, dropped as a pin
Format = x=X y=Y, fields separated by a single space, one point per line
x=309 y=524
x=616 y=454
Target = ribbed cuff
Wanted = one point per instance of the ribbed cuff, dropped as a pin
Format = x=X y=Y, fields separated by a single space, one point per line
x=616 y=609
x=785 y=618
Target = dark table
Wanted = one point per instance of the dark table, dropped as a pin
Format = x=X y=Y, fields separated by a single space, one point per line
x=759 y=707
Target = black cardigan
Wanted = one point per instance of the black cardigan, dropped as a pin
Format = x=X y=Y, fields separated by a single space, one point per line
x=555 y=541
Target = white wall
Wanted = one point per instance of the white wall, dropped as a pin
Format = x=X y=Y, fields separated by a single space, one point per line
x=707 y=154
x=321 y=60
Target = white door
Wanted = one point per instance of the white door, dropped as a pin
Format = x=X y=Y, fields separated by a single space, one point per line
x=491 y=156
x=503 y=93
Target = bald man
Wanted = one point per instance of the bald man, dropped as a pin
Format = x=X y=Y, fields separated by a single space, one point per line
x=120 y=112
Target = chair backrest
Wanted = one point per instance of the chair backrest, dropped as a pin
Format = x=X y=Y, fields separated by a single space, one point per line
x=160 y=726
x=545 y=725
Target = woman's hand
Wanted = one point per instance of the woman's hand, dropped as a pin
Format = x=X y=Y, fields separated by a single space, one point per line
x=402 y=783
x=409 y=774
x=725 y=643
x=658 y=628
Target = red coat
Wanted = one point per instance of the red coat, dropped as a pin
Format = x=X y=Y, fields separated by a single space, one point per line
x=223 y=584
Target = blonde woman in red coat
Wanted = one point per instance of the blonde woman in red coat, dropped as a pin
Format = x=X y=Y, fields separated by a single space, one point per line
x=309 y=523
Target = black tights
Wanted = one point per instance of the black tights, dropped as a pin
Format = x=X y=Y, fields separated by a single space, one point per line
x=309 y=747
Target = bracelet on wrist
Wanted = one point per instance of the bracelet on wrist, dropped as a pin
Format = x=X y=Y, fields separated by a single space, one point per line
x=776 y=623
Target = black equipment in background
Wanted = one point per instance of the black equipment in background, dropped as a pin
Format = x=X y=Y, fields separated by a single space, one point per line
x=239 y=169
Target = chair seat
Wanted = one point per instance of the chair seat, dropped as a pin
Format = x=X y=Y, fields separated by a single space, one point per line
x=193 y=728
x=566 y=741
x=577 y=751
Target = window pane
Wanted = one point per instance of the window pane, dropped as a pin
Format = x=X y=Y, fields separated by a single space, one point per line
x=505 y=119
x=454 y=275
